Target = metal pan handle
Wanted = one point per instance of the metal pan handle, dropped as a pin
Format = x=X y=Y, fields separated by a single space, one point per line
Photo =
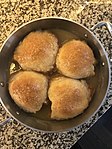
x=108 y=25
x=5 y=121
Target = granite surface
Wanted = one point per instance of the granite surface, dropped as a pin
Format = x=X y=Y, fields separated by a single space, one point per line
x=15 y=13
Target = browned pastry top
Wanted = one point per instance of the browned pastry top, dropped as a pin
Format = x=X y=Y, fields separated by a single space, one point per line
x=76 y=60
x=37 y=51
x=28 y=90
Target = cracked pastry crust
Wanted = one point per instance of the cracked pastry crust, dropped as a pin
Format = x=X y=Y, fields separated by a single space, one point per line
x=76 y=60
x=37 y=51
x=69 y=97
x=28 y=90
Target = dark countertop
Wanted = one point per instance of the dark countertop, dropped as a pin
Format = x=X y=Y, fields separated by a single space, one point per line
x=15 y=13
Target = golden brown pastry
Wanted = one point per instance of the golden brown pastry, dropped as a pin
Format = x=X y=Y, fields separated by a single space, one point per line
x=37 y=51
x=29 y=90
x=76 y=60
x=69 y=97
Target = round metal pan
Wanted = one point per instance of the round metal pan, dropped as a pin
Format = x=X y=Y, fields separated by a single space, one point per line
x=64 y=30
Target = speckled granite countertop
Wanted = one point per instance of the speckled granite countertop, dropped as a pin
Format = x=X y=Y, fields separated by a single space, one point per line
x=13 y=14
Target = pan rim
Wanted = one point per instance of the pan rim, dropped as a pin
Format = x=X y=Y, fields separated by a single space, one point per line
x=108 y=64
